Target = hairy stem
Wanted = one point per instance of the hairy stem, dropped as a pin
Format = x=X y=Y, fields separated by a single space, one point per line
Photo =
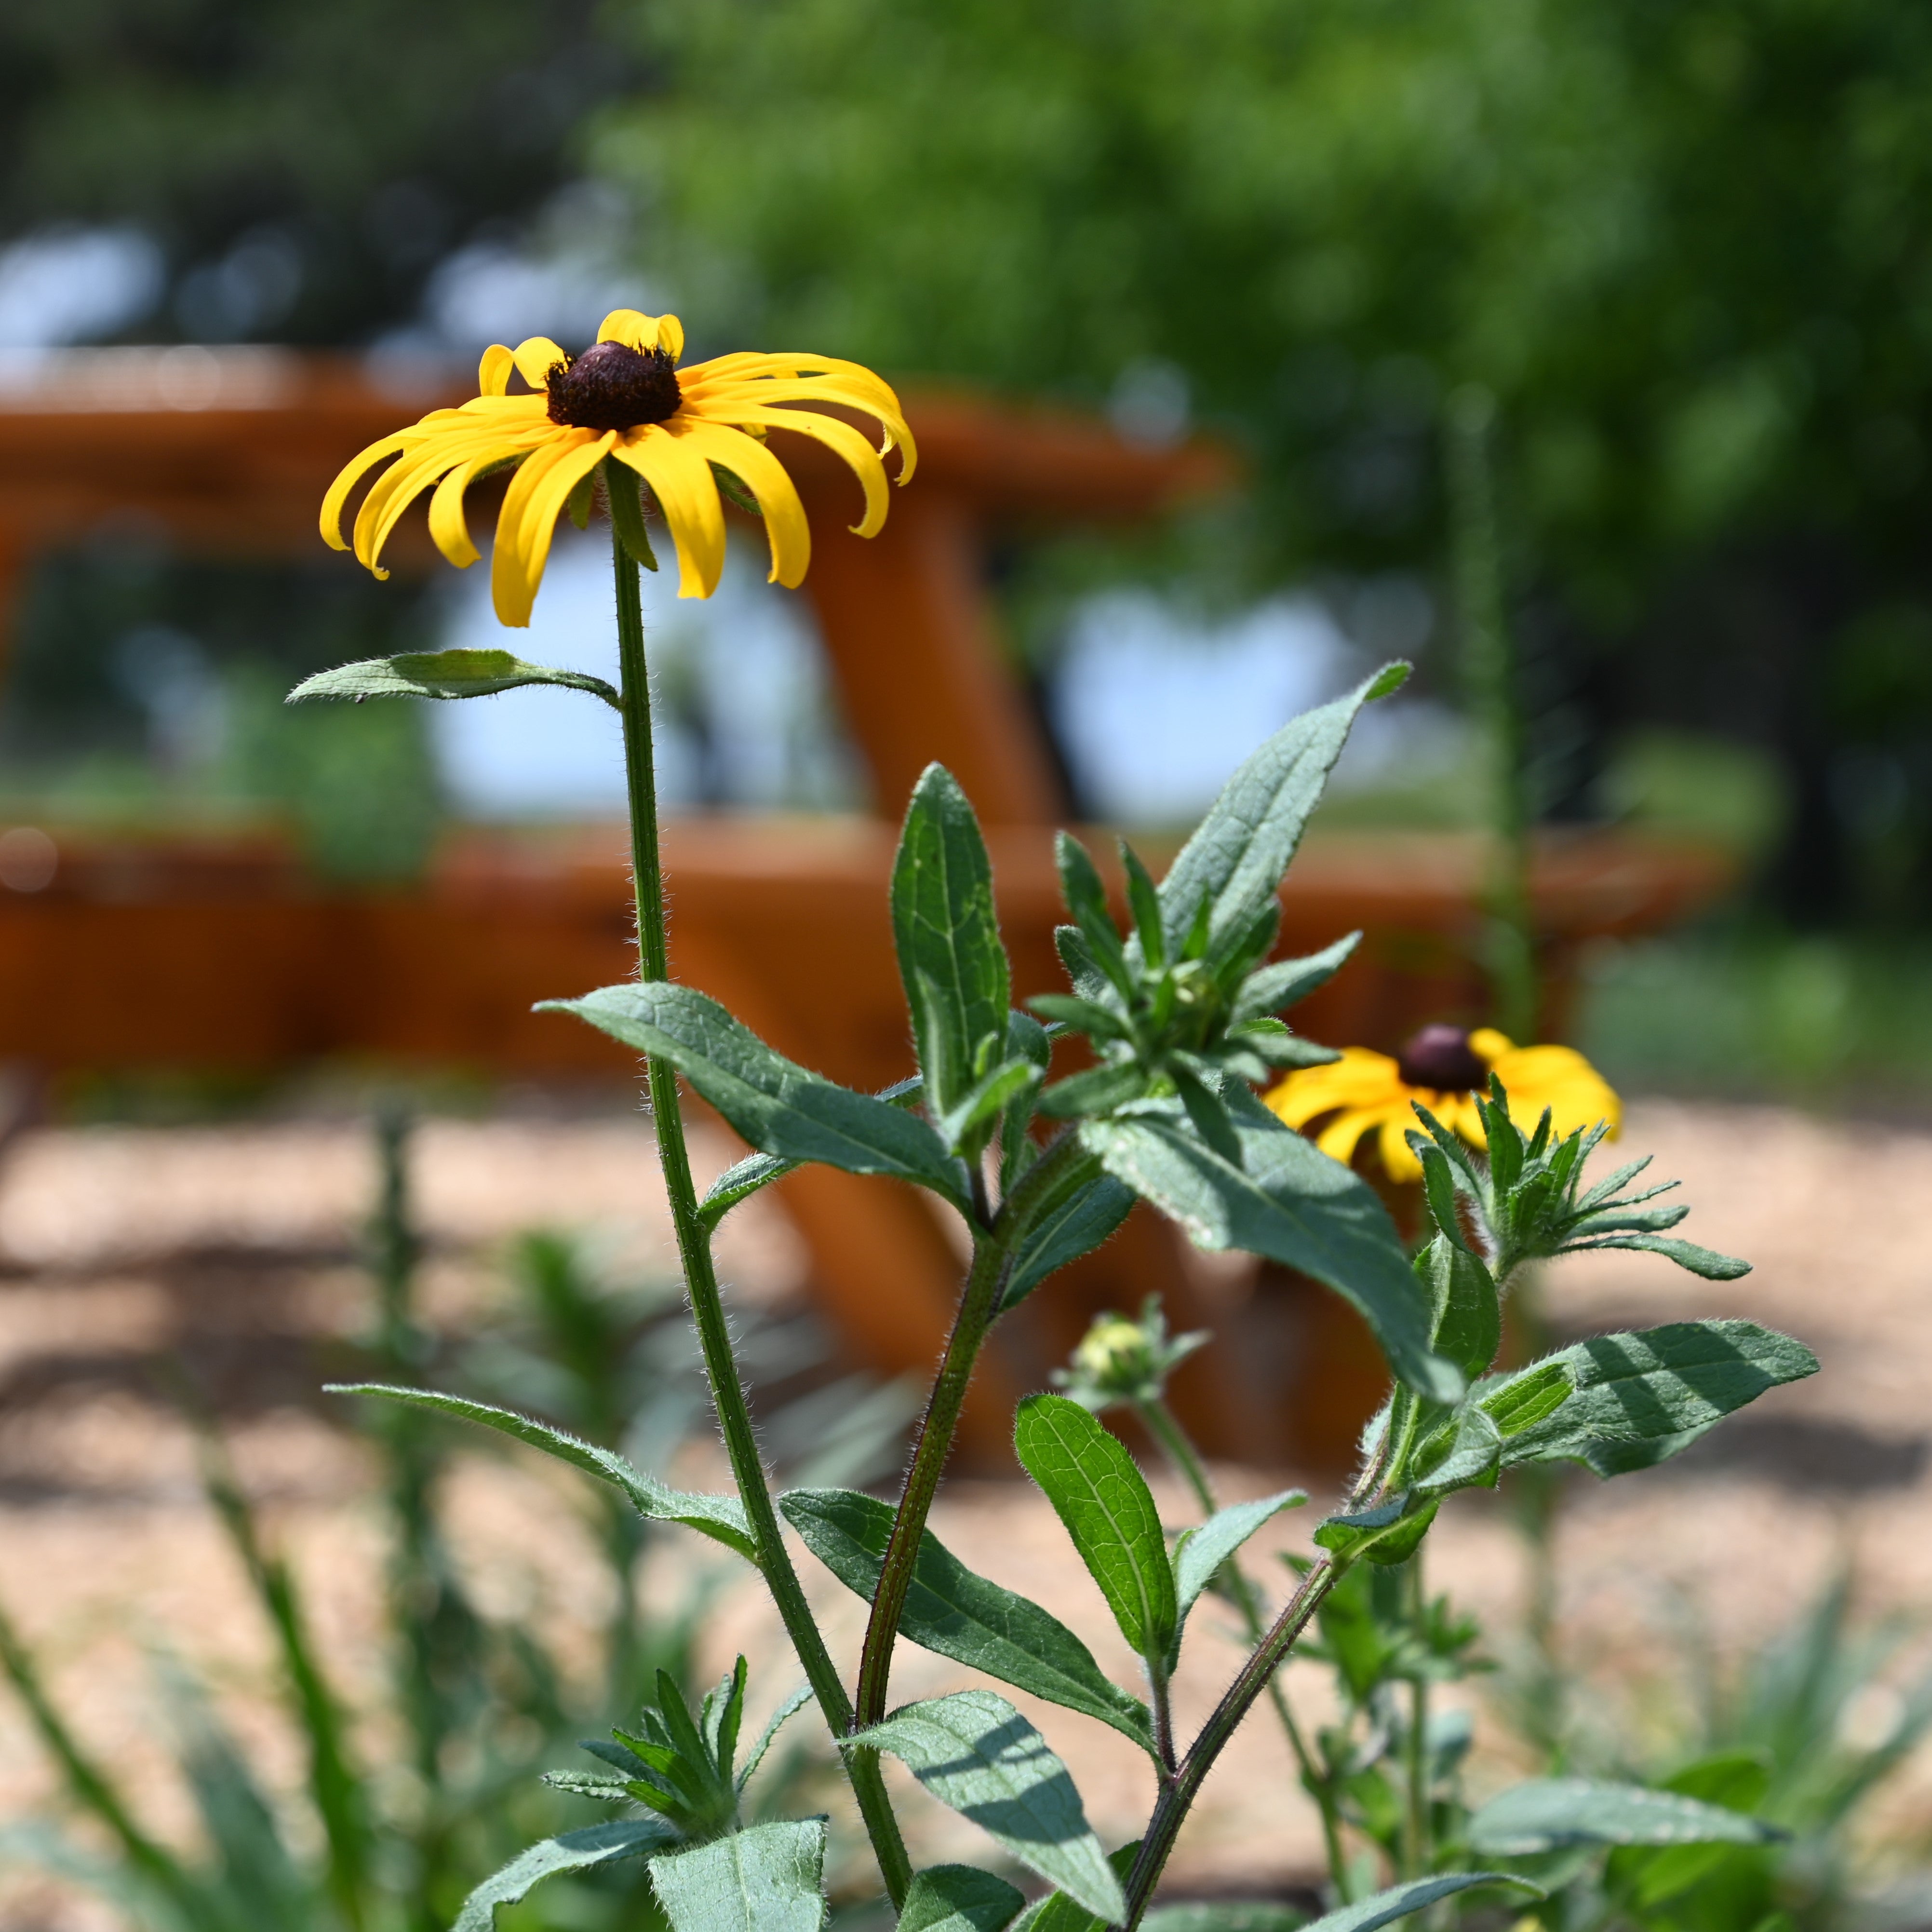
x=1164 y=1425
x=1178 y=1796
x=693 y=1246
x=993 y=1253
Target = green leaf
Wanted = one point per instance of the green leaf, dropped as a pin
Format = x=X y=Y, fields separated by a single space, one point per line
x=1641 y=1396
x=1234 y=861
x=959 y=1898
x=1705 y=1261
x=1547 y=1814
x=1520 y=1400
x=1144 y=901
x=1057 y=1912
x=1389 y=1533
x=975 y=1753
x=745 y=1178
x=1736 y=1780
x=953 y=1611
x=1265 y=993
x=958 y=983
x=1289 y=1202
x=768 y=1878
x=1072 y=1224
x=775 y=1722
x=444 y=674
x=1102 y=1497
x=1093 y=1090
x=1224 y=1914
x=1467 y=1317
x=1366 y=1914
x=779 y=1107
x=1467 y=1450
x=1201 y=1552
x=971 y=1121
x=1086 y=897
x=568 y=1852
x=721 y=1518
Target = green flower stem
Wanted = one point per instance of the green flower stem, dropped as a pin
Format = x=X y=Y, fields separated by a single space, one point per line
x=993 y=1255
x=1178 y=1795
x=1164 y=1425
x=1415 y=1824
x=693 y=1246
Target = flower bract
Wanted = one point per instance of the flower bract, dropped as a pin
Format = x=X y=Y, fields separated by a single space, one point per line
x=1445 y=1068
x=628 y=399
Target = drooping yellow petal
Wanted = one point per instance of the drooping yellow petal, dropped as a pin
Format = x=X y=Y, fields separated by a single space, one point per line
x=448 y=527
x=1399 y=1160
x=536 y=356
x=1338 y=1138
x=531 y=505
x=351 y=473
x=765 y=476
x=492 y=373
x=644 y=333
x=663 y=454
x=1488 y=1045
x=840 y=437
x=412 y=472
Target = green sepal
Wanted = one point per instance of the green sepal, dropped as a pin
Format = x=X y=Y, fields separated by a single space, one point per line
x=627 y=511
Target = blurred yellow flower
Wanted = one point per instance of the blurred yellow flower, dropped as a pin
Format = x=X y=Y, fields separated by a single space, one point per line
x=1444 y=1067
x=626 y=398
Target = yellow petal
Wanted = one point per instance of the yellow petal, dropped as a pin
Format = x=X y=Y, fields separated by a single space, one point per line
x=1338 y=1138
x=840 y=437
x=448 y=528
x=1399 y=1160
x=1488 y=1045
x=786 y=529
x=531 y=507
x=399 y=485
x=492 y=373
x=681 y=480
x=536 y=356
x=358 y=467
x=643 y=332
x=1561 y=1079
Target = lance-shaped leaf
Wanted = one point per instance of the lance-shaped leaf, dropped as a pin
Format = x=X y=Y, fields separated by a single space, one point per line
x=1266 y=990
x=974 y=1751
x=1467 y=1450
x=1224 y=1914
x=721 y=1518
x=958 y=983
x=1102 y=1497
x=1547 y=1814
x=444 y=674
x=1639 y=1398
x=1234 y=863
x=1466 y=1312
x=1073 y=1223
x=1201 y=1552
x=1057 y=1912
x=1289 y=1202
x=959 y=1898
x=1381 y=1908
x=779 y=1107
x=568 y=1852
x=955 y=1612
x=768 y=1878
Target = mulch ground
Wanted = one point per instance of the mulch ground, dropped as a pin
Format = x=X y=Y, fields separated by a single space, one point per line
x=231 y=1252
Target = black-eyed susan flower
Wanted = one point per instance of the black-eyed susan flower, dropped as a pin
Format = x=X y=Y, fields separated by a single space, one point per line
x=1445 y=1068
x=625 y=397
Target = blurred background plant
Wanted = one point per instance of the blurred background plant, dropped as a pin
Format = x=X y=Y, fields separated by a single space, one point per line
x=483 y=1703
x=1685 y=249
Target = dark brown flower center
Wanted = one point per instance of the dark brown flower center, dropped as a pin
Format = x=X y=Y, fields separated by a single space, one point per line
x=1441 y=1057
x=611 y=387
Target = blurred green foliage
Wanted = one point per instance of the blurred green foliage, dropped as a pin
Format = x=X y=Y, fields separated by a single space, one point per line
x=1688 y=246
x=304 y=168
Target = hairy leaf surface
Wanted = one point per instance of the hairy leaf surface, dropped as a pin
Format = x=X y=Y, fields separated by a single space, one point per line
x=767 y=1878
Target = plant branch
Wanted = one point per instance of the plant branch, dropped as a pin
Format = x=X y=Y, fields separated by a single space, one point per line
x=993 y=1254
x=693 y=1244
x=1164 y=1425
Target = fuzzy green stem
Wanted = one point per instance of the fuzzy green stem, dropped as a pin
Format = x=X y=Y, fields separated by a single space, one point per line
x=993 y=1254
x=694 y=1245
x=1164 y=1425
x=1415 y=1833
x=1176 y=1798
